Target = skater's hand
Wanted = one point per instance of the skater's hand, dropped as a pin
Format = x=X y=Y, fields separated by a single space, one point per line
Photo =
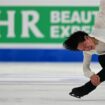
x=95 y=80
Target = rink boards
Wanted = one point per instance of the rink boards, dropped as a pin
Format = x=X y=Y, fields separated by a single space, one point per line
x=35 y=31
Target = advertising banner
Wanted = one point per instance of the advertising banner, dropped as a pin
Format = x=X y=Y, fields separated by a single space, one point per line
x=38 y=31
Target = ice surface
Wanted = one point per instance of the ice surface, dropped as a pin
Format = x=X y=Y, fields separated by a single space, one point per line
x=33 y=84
x=51 y=93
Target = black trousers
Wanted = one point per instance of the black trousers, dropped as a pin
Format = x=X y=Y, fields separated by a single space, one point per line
x=101 y=60
x=89 y=86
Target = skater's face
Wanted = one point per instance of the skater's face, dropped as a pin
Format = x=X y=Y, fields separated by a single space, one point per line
x=86 y=45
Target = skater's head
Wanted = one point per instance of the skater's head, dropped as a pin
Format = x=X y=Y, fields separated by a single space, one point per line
x=79 y=41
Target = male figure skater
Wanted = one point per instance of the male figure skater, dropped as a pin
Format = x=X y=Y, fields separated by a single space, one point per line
x=90 y=44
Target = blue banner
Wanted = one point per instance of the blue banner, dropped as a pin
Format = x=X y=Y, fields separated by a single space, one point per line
x=41 y=55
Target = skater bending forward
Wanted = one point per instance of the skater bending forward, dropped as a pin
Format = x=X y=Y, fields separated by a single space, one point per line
x=90 y=44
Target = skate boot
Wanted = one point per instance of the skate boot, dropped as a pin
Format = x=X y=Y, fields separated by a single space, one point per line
x=82 y=91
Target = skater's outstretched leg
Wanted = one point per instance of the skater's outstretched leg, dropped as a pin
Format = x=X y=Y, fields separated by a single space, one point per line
x=88 y=87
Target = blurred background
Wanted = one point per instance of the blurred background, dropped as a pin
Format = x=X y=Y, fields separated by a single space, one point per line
x=32 y=33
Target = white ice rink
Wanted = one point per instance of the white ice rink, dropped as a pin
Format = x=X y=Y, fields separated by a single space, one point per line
x=45 y=84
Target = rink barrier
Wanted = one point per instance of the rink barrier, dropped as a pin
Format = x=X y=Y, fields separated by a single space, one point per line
x=41 y=55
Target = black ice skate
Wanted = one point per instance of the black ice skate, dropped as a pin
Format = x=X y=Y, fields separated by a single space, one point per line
x=82 y=91
x=77 y=92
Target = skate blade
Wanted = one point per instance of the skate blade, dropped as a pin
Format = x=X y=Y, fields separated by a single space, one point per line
x=73 y=95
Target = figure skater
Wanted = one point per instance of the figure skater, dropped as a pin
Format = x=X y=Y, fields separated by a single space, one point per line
x=90 y=44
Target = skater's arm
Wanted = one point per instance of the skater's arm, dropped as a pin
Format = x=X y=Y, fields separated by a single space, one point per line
x=99 y=26
x=100 y=17
x=86 y=65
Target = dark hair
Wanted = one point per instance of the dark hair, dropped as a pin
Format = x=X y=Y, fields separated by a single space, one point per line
x=74 y=39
